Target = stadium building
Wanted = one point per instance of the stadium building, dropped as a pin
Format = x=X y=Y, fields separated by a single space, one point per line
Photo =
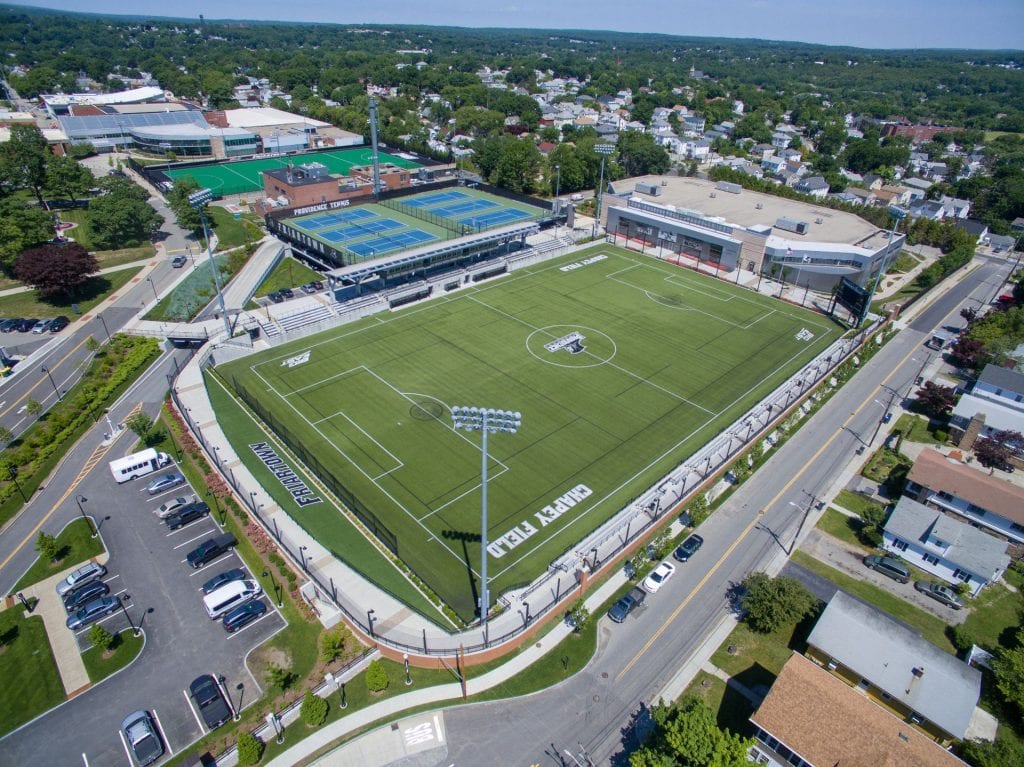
x=728 y=227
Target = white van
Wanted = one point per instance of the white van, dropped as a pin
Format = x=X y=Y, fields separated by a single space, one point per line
x=138 y=464
x=230 y=595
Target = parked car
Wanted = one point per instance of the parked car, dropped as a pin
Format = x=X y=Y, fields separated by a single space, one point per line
x=166 y=482
x=235 y=574
x=209 y=699
x=26 y=325
x=317 y=285
x=166 y=509
x=178 y=261
x=41 y=326
x=75 y=599
x=286 y=293
x=621 y=609
x=308 y=288
x=9 y=326
x=889 y=567
x=657 y=579
x=142 y=738
x=59 y=323
x=90 y=571
x=688 y=548
x=940 y=593
x=887 y=417
x=92 y=611
x=276 y=297
x=243 y=615
x=210 y=549
x=188 y=513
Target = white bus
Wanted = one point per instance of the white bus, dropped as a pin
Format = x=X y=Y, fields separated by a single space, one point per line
x=138 y=464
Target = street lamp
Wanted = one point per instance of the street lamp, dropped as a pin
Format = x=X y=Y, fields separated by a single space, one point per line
x=302 y=554
x=52 y=382
x=405 y=659
x=273 y=583
x=558 y=179
x=80 y=499
x=104 y=323
x=370 y=618
x=604 y=150
x=898 y=215
x=125 y=598
x=485 y=420
x=150 y=281
x=198 y=201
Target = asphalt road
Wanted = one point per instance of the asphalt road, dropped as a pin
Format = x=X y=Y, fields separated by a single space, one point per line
x=594 y=711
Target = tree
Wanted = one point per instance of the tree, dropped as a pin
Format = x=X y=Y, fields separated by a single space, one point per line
x=999 y=753
x=640 y=155
x=935 y=400
x=518 y=166
x=313 y=709
x=250 y=749
x=47 y=546
x=6 y=435
x=279 y=677
x=686 y=734
x=33 y=407
x=771 y=603
x=177 y=200
x=101 y=638
x=997 y=449
x=142 y=425
x=56 y=270
x=22 y=226
x=334 y=644
x=968 y=353
x=579 y=615
x=23 y=160
x=121 y=217
x=1008 y=667
x=67 y=178
x=376 y=677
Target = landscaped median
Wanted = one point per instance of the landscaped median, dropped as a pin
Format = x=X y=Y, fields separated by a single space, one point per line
x=31 y=683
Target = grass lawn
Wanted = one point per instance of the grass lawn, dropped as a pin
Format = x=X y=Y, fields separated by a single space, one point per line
x=31 y=682
x=194 y=292
x=840 y=526
x=904 y=262
x=732 y=710
x=933 y=629
x=289 y=273
x=996 y=613
x=231 y=231
x=855 y=502
x=106 y=258
x=125 y=649
x=28 y=304
x=758 y=658
x=914 y=428
x=76 y=545
x=886 y=466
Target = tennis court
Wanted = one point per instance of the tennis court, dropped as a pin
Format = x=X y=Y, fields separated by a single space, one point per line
x=356 y=231
x=380 y=245
x=427 y=200
x=242 y=176
x=459 y=208
x=494 y=218
x=332 y=219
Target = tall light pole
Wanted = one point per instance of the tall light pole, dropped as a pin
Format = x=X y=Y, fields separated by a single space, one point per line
x=52 y=382
x=604 y=150
x=198 y=201
x=485 y=421
x=898 y=215
x=80 y=499
x=558 y=179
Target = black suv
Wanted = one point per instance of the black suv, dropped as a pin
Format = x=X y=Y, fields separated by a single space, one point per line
x=688 y=548
x=621 y=609
x=210 y=701
x=187 y=513
x=211 y=549
x=75 y=599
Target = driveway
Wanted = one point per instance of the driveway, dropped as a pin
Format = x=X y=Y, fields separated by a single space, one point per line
x=848 y=559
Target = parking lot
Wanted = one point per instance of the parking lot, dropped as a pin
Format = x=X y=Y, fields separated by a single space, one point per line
x=162 y=594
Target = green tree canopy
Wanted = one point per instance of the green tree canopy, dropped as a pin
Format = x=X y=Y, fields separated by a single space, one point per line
x=640 y=155
x=56 y=270
x=771 y=603
x=121 y=217
x=22 y=226
x=23 y=160
x=67 y=178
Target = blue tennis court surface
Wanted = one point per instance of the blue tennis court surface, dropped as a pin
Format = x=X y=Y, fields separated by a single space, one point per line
x=381 y=245
x=366 y=229
x=494 y=218
x=453 y=211
x=331 y=219
x=434 y=199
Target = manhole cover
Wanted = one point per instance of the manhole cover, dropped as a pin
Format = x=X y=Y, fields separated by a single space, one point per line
x=604 y=674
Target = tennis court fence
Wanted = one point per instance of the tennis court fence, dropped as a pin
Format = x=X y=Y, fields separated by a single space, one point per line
x=454 y=228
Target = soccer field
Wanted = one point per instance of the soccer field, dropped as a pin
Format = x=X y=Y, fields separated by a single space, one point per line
x=622 y=367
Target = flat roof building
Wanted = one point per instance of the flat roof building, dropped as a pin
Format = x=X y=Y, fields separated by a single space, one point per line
x=730 y=227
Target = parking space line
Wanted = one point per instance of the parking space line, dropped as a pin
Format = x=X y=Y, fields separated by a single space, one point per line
x=184 y=527
x=192 y=540
x=124 y=745
x=196 y=571
x=258 y=620
x=192 y=708
x=85 y=760
x=163 y=734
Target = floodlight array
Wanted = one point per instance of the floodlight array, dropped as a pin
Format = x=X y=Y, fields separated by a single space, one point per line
x=486 y=419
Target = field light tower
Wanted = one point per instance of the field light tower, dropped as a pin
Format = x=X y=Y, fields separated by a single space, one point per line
x=198 y=200
x=604 y=150
x=485 y=420
x=898 y=214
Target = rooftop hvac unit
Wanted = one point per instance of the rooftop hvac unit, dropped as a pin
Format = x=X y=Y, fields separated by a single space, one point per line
x=759 y=206
x=728 y=186
x=664 y=182
x=791 y=225
x=818 y=221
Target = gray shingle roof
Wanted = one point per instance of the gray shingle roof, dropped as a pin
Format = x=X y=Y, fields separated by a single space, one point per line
x=969 y=548
x=1002 y=378
x=886 y=652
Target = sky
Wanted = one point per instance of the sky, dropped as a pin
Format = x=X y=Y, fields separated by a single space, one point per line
x=985 y=24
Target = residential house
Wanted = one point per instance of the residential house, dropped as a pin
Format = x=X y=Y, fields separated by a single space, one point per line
x=1017 y=227
x=693 y=125
x=791 y=155
x=760 y=152
x=780 y=139
x=955 y=208
x=816 y=186
x=954 y=551
x=900 y=195
x=811 y=718
x=981 y=499
x=849 y=199
x=918 y=187
x=865 y=196
x=974 y=227
x=773 y=164
x=892 y=665
x=929 y=209
x=1002 y=242
x=935 y=170
x=696 y=149
x=737 y=107
x=873 y=182
x=994 y=403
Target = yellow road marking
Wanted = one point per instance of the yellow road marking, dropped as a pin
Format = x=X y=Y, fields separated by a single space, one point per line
x=785 y=489
x=39 y=383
